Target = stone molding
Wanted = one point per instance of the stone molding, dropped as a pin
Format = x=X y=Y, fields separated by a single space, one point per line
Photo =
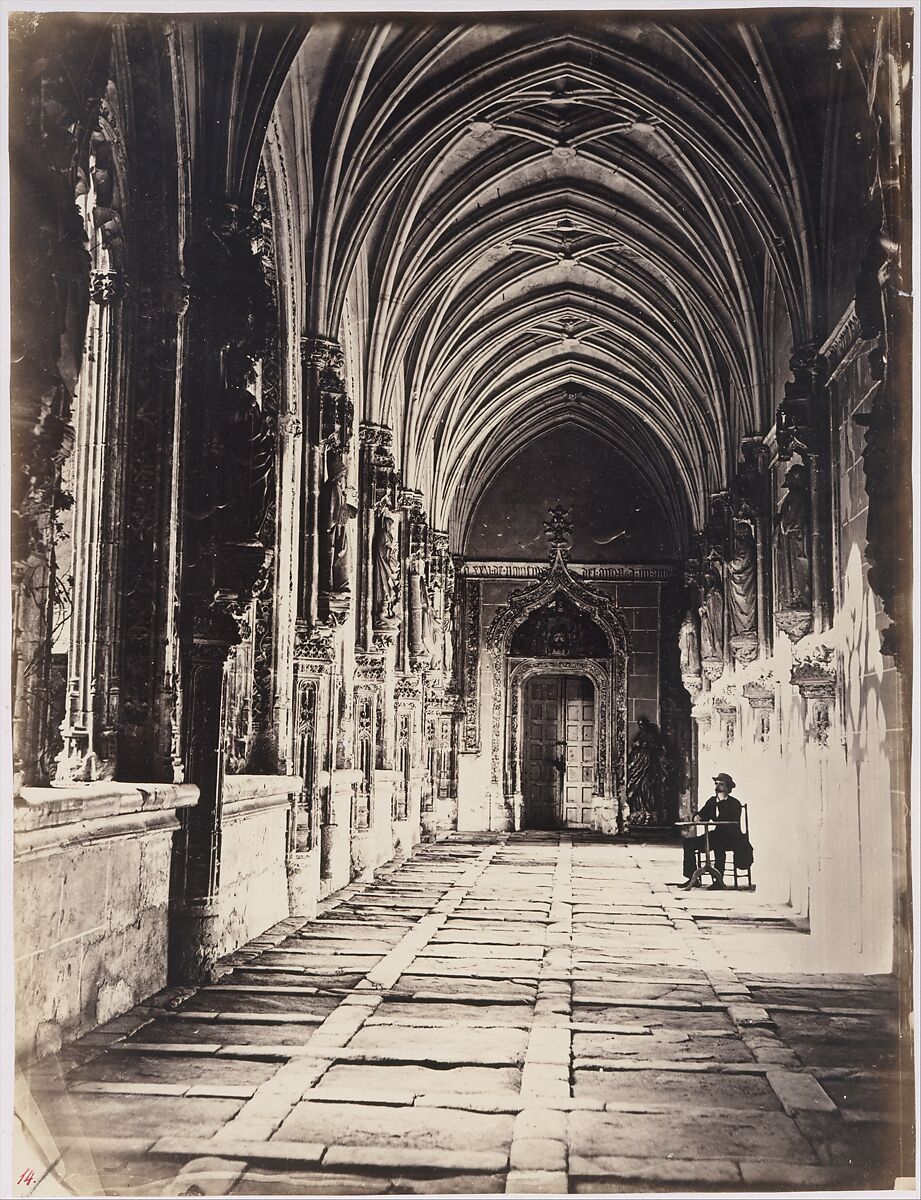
x=844 y=338
x=500 y=569
x=51 y=820
x=243 y=795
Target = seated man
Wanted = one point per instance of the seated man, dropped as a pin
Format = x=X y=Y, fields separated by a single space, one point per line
x=721 y=807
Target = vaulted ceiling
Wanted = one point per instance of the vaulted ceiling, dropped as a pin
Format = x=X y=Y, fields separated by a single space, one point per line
x=513 y=224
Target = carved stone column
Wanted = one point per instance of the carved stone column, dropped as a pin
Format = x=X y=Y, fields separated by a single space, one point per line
x=229 y=451
x=409 y=759
x=311 y=757
x=195 y=930
x=470 y=663
x=89 y=722
x=746 y=582
x=59 y=68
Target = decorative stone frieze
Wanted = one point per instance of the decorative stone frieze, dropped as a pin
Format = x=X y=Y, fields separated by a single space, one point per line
x=626 y=572
x=317 y=644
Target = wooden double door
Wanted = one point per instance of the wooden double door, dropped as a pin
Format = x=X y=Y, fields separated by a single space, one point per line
x=559 y=752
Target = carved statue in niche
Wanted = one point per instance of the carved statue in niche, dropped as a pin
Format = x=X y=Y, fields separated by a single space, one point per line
x=336 y=509
x=711 y=610
x=421 y=637
x=647 y=771
x=741 y=580
x=386 y=561
x=249 y=443
x=794 y=586
x=689 y=644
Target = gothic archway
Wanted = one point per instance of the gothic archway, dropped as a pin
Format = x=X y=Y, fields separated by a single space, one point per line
x=524 y=640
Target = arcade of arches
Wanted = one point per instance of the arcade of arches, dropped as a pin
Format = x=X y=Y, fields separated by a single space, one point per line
x=427 y=426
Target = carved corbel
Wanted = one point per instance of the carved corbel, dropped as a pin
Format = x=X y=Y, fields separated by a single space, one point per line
x=727 y=708
x=760 y=695
x=816 y=678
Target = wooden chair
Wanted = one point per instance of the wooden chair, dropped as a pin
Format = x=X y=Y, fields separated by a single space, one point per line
x=731 y=864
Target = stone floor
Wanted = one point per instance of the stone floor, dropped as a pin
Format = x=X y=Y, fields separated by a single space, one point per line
x=518 y=1013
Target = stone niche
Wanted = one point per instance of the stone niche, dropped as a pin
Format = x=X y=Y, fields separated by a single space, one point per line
x=91 y=898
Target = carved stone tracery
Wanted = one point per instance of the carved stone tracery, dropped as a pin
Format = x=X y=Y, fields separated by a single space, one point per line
x=609 y=675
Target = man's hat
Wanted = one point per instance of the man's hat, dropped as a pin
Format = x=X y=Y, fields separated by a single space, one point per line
x=724 y=778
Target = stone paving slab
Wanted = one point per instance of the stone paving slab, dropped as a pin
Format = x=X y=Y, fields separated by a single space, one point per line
x=416 y=1079
x=691 y=1020
x=228 y=1000
x=465 y=1016
x=503 y=1013
x=763 y=1135
x=443 y=1045
x=248 y=1032
x=403 y=1127
x=124 y=1066
x=259 y=1182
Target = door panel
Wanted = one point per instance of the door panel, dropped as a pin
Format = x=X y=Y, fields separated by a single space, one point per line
x=579 y=699
x=541 y=776
x=559 y=725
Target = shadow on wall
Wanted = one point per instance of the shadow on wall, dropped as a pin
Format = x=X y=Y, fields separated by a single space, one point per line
x=820 y=805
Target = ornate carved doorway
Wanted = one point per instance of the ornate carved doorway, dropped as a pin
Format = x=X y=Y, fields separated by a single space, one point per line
x=560 y=737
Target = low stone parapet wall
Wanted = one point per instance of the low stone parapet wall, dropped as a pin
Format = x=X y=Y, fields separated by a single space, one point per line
x=91 y=887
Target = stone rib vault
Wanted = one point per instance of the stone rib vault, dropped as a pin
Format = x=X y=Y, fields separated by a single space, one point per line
x=518 y=1013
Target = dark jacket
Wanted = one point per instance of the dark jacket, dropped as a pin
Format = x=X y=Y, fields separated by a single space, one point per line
x=728 y=837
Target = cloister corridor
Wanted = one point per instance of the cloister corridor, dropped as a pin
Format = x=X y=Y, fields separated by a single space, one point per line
x=522 y=1013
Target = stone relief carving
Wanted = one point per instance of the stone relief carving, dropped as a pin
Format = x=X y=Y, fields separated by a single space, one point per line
x=385 y=566
x=337 y=507
x=794 y=584
x=471 y=665
x=741 y=582
x=711 y=614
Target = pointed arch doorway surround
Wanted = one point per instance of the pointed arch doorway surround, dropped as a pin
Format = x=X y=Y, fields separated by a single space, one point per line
x=568 y=643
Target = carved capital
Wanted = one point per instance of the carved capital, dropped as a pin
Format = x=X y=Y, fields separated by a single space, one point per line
x=369 y=667
x=693 y=685
x=241 y=568
x=385 y=638
x=744 y=648
x=316 y=643
x=320 y=352
x=795 y=623
x=375 y=436
x=106 y=286
x=713 y=668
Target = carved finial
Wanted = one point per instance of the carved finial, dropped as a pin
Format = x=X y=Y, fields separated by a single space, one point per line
x=558 y=528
